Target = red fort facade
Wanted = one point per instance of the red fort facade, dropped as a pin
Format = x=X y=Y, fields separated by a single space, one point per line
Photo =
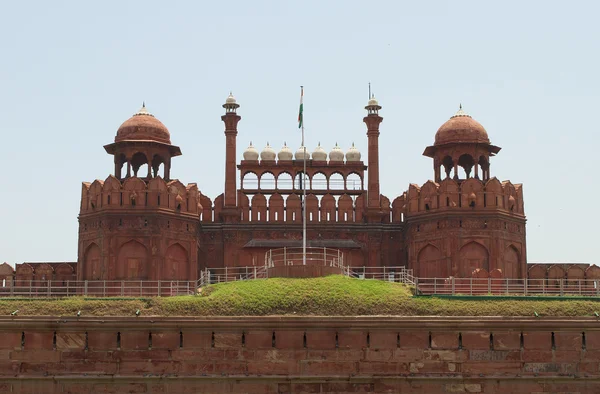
x=140 y=223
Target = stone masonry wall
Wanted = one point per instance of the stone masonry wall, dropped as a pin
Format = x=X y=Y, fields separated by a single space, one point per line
x=299 y=355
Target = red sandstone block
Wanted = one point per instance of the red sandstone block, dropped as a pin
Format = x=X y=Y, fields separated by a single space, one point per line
x=239 y=354
x=140 y=355
x=196 y=340
x=507 y=340
x=343 y=387
x=537 y=355
x=478 y=340
x=384 y=340
x=253 y=387
x=274 y=368
x=118 y=388
x=224 y=340
x=408 y=355
x=494 y=355
x=91 y=367
x=590 y=367
x=70 y=340
x=378 y=354
x=443 y=340
x=305 y=388
x=76 y=355
x=11 y=340
x=165 y=340
x=148 y=367
x=289 y=339
x=39 y=340
x=328 y=367
x=592 y=340
x=197 y=368
x=414 y=340
x=381 y=368
x=277 y=355
x=35 y=369
x=135 y=340
x=9 y=368
x=352 y=340
x=567 y=356
x=549 y=368
x=231 y=367
x=493 y=369
x=102 y=340
x=48 y=356
x=437 y=367
x=567 y=340
x=197 y=355
x=335 y=355
x=320 y=339
x=446 y=355
x=537 y=340
x=258 y=339
x=4 y=354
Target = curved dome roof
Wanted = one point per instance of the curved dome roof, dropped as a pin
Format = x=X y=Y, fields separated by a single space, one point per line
x=285 y=153
x=143 y=126
x=251 y=153
x=319 y=153
x=267 y=153
x=461 y=128
x=299 y=155
x=353 y=154
x=336 y=154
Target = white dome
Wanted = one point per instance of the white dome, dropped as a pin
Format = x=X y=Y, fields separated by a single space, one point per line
x=336 y=154
x=353 y=154
x=251 y=153
x=300 y=154
x=372 y=102
x=230 y=99
x=319 y=154
x=285 y=153
x=267 y=153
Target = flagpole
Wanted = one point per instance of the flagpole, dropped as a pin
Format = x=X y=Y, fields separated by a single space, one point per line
x=303 y=179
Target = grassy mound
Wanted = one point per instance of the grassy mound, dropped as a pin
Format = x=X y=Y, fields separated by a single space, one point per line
x=328 y=296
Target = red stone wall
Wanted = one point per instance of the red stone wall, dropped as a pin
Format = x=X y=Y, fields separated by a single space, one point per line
x=299 y=355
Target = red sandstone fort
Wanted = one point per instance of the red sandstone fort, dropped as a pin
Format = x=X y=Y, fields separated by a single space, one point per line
x=143 y=224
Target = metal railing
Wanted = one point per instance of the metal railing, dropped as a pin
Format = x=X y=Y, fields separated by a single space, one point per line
x=508 y=287
x=98 y=288
x=294 y=256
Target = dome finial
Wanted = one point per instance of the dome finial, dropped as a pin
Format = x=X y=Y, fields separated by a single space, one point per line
x=460 y=112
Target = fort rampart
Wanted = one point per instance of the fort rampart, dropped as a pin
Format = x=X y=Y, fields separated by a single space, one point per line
x=299 y=355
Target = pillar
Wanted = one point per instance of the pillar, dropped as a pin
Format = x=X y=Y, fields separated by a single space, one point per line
x=373 y=120
x=231 y=119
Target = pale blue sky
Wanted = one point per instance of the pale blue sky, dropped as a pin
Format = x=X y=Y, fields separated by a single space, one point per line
x=72 y=72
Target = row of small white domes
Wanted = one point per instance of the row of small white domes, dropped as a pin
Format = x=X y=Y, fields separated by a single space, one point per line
x=319 y=154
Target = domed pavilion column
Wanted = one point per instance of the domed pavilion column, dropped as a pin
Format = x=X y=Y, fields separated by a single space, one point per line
x=374 y=213
x=230 y=212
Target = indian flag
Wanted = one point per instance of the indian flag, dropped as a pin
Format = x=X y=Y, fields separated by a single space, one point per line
x=301 y=107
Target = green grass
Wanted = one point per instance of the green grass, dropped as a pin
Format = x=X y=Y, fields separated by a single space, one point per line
x=328 y=296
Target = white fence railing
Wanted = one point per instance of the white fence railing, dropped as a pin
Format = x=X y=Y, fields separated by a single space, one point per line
x=506 y=286
x=98 y=288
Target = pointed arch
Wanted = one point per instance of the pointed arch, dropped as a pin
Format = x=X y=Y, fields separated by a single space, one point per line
x=472 y=255
x=512 y=262
x=92 y=267
x=176 y=264
x=132 y=261
x=276 y=208
x=431 y=263
x=293 y=210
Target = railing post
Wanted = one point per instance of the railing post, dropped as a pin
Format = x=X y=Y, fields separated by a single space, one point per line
x=384 y=277
x=226 y=278
x=417 y=285
x=160 y=289
x=188 y=287
x=453 y=285
x=526 y=285
x=284 y=255
x=122 y=288
x=247 y=272
x=506 y=287
x=562 y=287
x=254 y=272
x=67 y=288
x=597 y=287
x=49 y=285
x=579 y=286
x=85 y=287
x=471 y=285
x=141 y=286
x=434 y=285
x=324 y=256
x=30 y=288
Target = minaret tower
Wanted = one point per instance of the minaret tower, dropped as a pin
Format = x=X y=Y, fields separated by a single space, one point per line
x=231 y=119
x=373 y=120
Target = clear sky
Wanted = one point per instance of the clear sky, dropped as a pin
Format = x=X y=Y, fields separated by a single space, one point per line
x=72 y=72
